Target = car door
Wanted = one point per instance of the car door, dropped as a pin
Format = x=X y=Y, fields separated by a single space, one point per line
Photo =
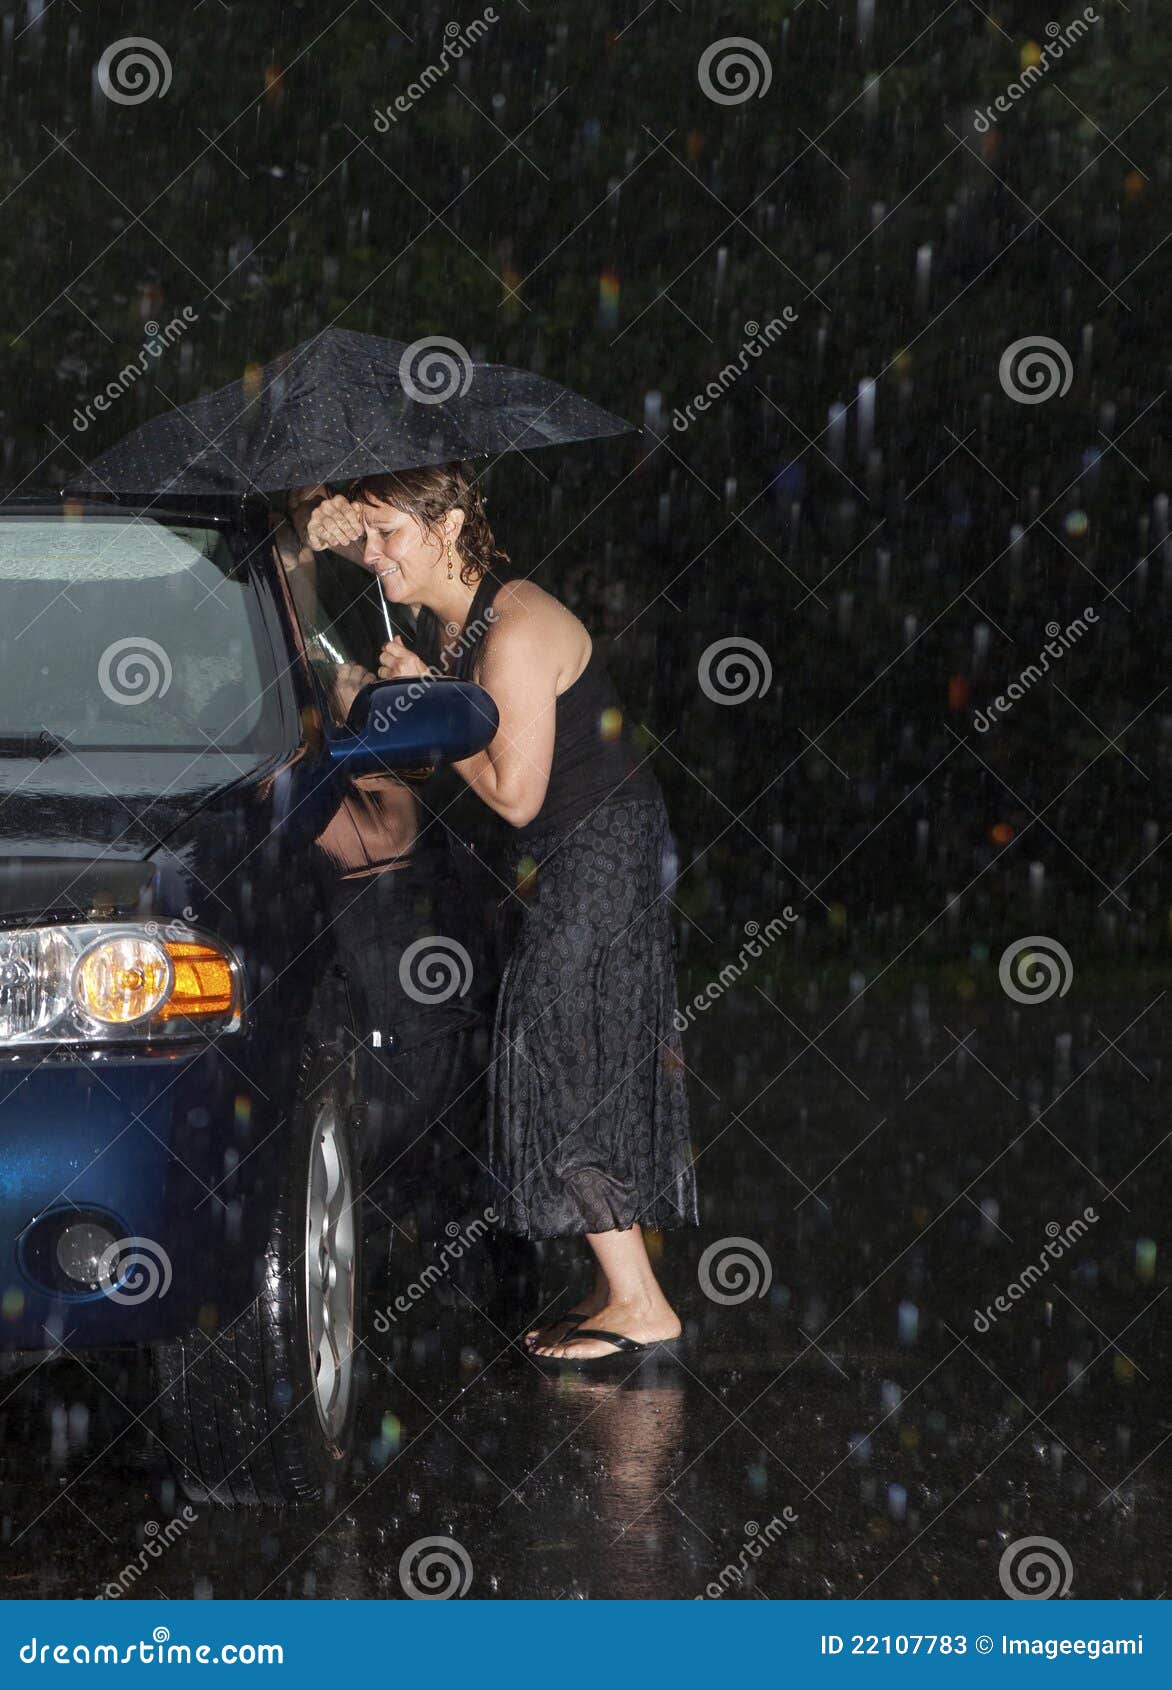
x=400 y=914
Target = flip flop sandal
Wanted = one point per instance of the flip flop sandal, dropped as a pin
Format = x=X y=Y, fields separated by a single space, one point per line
x=624 y=1347
x=568 y=1319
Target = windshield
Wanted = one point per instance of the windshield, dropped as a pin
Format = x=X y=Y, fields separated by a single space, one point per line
x=129 y=632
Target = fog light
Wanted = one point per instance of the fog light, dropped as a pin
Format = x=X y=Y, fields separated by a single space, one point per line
x=79 y=1252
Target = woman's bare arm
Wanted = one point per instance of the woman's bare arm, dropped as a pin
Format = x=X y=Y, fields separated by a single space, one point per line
x=519 y=667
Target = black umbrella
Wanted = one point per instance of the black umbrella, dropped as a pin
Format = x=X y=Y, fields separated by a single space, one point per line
x=341 y=405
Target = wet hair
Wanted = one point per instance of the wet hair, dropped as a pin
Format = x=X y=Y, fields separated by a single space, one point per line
x=428 y=493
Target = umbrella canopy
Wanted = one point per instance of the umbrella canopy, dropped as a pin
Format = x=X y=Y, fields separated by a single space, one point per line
x=341 y=405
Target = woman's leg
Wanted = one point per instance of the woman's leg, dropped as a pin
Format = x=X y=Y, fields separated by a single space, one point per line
x=635 y=1307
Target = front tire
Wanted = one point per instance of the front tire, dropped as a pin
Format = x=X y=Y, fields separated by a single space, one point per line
x=264 y=1413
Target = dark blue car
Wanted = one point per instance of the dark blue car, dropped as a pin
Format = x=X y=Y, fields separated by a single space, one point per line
x=191 y=790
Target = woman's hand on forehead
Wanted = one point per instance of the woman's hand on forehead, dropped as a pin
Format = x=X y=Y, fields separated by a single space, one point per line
x=335 y=522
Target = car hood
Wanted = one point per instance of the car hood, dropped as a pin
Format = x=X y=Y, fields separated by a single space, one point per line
x=76 y=830
x=122 y=803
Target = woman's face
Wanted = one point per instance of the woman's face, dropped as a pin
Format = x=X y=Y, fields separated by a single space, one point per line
x=400 y=551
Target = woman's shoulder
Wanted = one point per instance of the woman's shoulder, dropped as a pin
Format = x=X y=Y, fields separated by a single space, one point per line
x=518 y=592
x=521 y=608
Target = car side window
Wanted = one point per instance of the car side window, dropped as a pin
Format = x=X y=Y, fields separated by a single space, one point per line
x=343 y=624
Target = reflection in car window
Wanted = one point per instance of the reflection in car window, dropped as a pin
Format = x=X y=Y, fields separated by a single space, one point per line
x=344 y=626
x=342 y=621
x=122 y=632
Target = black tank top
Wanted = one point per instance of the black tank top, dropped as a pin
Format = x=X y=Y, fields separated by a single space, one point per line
x=594 y=757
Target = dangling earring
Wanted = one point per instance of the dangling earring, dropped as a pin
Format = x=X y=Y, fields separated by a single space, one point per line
x=449 y=560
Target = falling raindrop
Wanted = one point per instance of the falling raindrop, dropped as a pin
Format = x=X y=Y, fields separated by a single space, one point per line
x=923 y=275
x=866 y=408
x=871 y=97
x=836 y=430
x=909 y=1323
x=1140 y=580
x=1063 y=1048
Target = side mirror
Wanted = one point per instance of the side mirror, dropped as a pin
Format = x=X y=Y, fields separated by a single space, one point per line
x=404 y=725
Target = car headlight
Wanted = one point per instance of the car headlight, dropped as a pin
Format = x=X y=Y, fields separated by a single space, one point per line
x=115 y=982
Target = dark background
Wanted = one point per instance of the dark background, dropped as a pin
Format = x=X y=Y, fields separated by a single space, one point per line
x=570 y=200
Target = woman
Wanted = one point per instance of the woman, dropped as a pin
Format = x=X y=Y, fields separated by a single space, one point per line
x=587 y=1107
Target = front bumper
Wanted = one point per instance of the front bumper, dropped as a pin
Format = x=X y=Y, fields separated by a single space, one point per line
x=180 y=1152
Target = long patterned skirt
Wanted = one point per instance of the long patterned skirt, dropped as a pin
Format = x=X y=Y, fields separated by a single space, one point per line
x=587 y=1104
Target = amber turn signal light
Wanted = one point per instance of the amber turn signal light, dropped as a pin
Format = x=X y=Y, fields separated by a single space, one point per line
x=204 y=984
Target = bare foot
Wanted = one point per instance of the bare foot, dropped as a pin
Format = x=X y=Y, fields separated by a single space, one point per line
x=649 y=1321
x=589 y=1305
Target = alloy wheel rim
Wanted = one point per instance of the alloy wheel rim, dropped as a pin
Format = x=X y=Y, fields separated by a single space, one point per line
x=330 y=1271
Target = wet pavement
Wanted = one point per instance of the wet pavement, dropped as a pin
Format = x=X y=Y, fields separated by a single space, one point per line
x=834 y=1424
